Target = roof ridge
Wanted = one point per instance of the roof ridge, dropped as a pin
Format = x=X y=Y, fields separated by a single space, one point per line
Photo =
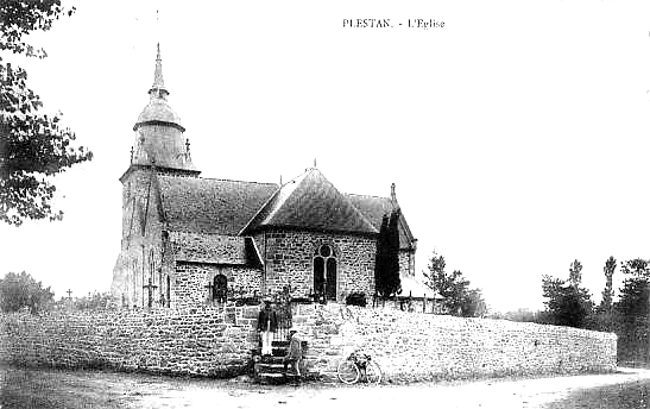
x=268 y=202
x=375 y=196
x=224 y=180
x=202 y=233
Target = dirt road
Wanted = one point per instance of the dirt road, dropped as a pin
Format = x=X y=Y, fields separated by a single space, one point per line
x=57 y=389
x=565 y=392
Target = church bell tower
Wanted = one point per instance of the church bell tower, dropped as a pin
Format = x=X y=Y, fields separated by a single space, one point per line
x=158 y=131
x=159 y=149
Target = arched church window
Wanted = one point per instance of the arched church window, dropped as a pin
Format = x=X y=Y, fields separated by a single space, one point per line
x=220 y=288
x=325 y=273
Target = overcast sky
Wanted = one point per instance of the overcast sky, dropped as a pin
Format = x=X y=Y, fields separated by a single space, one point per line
x=517 y=135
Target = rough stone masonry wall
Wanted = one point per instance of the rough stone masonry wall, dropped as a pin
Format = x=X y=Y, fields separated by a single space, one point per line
x=289 y=259
x=406 y=266
x=214 y=342
x=189 y=289
x=202 y=342
x=141 y=248
x=412 y=346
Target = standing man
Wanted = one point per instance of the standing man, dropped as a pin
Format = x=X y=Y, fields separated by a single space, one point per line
x=267 y=324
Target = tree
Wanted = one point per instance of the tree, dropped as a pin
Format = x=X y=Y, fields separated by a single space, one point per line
x=567 y=302
x=18 y=291
x=458 y=299
x=473 y=304
x=387 y=280
x=575 y=273
x=633 y=311
x=608 y=292
x=33 y=146
x=436 y=273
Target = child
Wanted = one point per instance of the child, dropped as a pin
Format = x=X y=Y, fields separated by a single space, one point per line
x=294 y=355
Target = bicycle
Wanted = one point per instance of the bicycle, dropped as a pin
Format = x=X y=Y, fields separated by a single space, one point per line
x=359 y=366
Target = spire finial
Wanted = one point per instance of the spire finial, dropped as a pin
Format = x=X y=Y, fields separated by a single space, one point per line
x=314 y=163
x=392 y=192
x=158 y=88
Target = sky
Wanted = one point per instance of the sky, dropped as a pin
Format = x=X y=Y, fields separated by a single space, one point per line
x=517 y=135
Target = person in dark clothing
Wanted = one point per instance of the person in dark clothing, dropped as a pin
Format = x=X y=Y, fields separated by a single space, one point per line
x=267 y=324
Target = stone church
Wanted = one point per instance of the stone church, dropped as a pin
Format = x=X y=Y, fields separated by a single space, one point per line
x=188 y=240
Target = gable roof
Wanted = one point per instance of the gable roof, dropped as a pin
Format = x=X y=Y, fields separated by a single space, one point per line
x=311 y=202
x=374 y=208
x=216 y=206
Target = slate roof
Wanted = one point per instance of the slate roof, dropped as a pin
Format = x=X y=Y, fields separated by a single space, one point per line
x=311 y=202
x=215 y=206
x=158 y=111
x=214 y=248
x=374 y=208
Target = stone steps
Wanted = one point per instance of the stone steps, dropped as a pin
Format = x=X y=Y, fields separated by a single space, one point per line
x=270 y=369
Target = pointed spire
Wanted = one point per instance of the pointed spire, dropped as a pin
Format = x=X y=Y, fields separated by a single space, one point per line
x=393 y=197
x=158 y=89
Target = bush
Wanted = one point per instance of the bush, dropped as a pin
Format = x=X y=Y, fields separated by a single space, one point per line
x=358 y=299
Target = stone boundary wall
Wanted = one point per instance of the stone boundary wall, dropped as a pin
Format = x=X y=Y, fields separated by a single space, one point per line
x=416 y=346
x=218 y=342
x=203 y=342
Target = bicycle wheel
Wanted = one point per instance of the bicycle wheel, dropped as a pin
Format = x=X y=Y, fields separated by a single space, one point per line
x=373 y=372
x=348 y=372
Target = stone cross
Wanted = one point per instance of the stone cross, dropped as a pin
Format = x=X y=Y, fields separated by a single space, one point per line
x=150 y=287
x=69 y=293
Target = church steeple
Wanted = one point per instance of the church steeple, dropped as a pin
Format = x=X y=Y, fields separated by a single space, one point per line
x=159 y=136
x=158 y=89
